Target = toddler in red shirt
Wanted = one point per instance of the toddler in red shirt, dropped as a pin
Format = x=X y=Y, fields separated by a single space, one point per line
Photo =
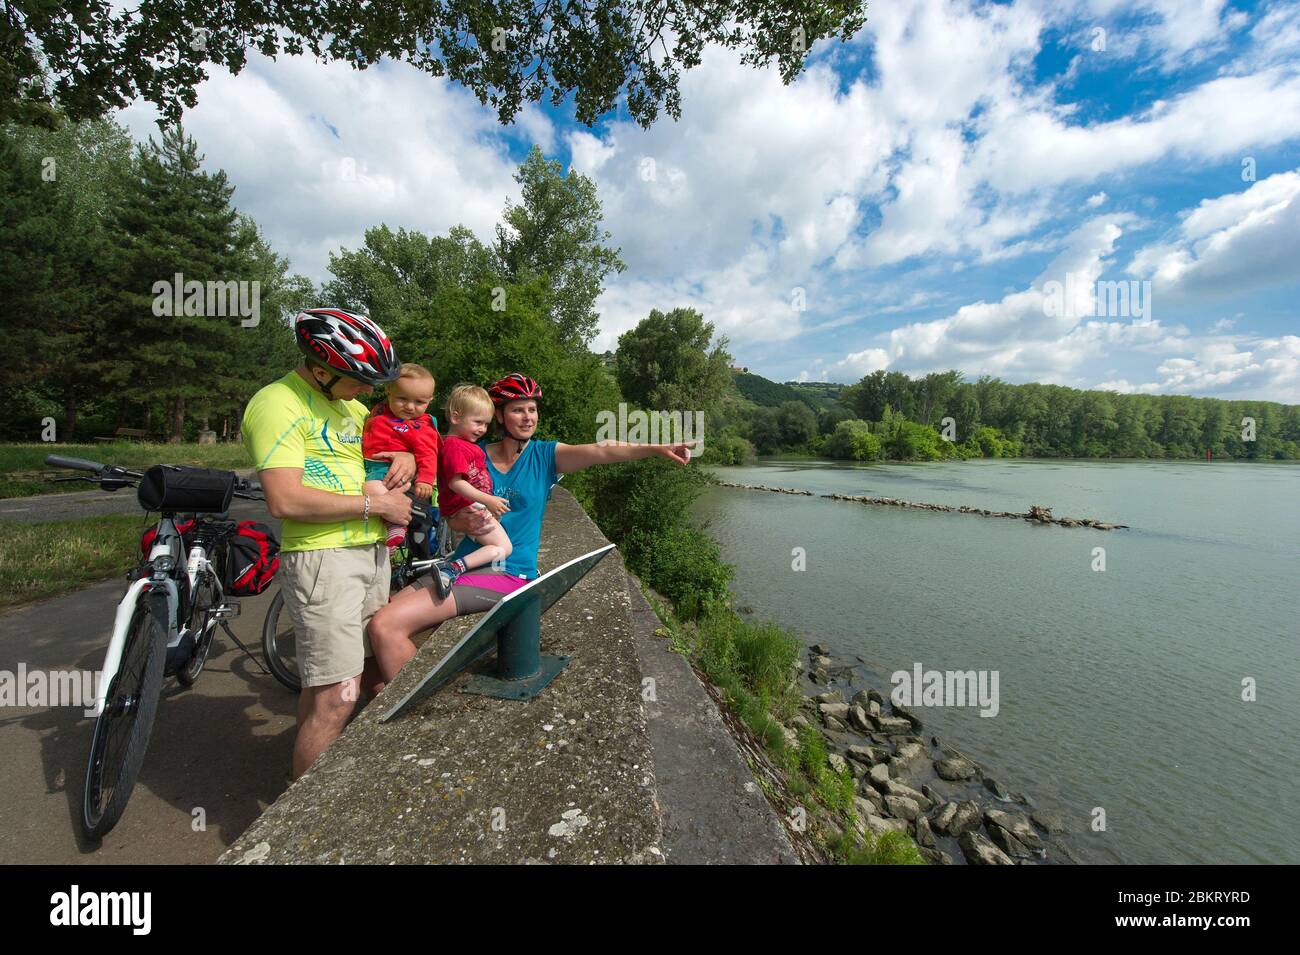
x=402 y=424
x=464 y=481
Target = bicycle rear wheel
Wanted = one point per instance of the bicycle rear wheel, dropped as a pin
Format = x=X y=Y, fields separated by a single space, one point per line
x=122 y=731
x=279 y=645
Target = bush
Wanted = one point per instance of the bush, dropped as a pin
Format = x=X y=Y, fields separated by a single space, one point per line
x=727 y=449
x=682 y=563
x=852 y=440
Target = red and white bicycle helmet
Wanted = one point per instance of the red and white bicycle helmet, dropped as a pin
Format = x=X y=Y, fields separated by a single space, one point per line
x=348 y=344
x=515 y=387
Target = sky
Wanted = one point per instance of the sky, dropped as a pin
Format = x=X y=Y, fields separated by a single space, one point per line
x=1093 y=193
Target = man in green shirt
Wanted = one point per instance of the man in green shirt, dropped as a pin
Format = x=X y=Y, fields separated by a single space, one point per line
x=303 y=433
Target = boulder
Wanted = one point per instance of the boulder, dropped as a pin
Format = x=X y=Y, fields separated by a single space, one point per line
x=955 y=768
x=1009 y=844
x=935 y=856
x=879 y=775
x=924 y=834
x=900 y=807
x=836 y=726
x=978 y=850
x=872 y=798
x=911 y=754
x=997 y=789
x=879 y=826
x=904 y=713
x=820 y=649
x=859 y=720
x=893 y=725
x=837 y=763
x=830 y=696
x=954 y=818
x=1015 y=824
x=822 y=662
x=893 y=787
x=838 y=710
x=870 y=755
x=1049 y=820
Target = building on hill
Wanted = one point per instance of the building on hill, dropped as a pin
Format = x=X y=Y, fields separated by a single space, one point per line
x=739 y=370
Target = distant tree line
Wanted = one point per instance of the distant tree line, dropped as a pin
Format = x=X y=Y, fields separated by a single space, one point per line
x=891 y=416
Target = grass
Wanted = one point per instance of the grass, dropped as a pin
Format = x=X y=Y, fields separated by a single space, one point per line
x=23 y=471
x=50 y=558
x=751 y=665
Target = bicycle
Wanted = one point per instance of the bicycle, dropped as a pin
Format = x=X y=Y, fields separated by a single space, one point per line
x=427 y=539
x=164 y=626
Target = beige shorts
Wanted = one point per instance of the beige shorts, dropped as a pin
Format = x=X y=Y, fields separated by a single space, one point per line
x=330 y=596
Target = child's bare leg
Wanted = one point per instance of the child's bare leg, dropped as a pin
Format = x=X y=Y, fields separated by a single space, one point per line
x=495 y=547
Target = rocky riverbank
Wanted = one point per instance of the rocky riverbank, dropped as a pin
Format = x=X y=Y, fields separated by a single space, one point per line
x=1036 y=513
x=908 y=781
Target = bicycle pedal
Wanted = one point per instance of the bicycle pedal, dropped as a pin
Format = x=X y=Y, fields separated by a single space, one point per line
x=228 y=611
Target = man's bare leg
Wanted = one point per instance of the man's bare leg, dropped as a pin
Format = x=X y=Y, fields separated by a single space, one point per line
x=323 y=712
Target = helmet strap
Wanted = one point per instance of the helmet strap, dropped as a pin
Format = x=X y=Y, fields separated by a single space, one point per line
x=326 y=388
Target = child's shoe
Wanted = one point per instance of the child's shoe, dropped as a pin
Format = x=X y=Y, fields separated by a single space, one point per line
x=396 y=536
x=445 y=573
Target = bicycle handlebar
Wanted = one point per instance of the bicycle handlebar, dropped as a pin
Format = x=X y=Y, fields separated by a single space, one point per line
x=74 y=464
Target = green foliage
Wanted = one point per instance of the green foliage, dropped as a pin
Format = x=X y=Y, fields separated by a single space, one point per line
x=889 y=848
x=769 y=394
x=727 y=449
x=791 y=425
x=93 y=58
x=665 y=363
x=854 y=441
x=556 y=233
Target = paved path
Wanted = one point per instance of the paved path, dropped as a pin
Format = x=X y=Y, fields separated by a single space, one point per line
x=92 y=503
x=223 y=746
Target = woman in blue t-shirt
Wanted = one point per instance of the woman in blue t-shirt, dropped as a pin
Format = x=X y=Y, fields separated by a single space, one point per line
x=523 y=471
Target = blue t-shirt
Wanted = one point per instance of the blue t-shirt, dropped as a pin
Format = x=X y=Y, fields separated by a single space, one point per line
x=526 y=486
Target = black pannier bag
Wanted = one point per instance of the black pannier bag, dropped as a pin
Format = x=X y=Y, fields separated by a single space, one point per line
x=252 y=558
x=175 y=489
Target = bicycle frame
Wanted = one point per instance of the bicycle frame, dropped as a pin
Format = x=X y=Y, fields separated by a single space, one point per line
x=167 y=543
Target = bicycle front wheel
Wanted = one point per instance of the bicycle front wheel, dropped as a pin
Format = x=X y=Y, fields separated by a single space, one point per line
x=279 y=644
x=122 y=731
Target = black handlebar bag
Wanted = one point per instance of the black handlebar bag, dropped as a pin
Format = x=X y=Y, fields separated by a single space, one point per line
x=173 y=488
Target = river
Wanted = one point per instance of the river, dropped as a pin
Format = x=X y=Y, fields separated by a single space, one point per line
x=1119 y=689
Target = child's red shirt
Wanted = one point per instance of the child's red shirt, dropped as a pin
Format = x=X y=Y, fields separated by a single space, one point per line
x=460 y=457
x=385 y=431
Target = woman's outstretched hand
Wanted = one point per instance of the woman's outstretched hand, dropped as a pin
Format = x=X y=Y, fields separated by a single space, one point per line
x=679 y=454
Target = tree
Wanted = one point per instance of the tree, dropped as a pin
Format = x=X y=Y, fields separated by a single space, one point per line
x=666 y=363
x=59 y=187
x=175 y=220
x=556 y=233
x=853 y=440
x=93 y=56
x=796 y=423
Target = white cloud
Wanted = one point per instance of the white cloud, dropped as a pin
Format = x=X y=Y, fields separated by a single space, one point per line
x=1230 y=244
x=410 y=150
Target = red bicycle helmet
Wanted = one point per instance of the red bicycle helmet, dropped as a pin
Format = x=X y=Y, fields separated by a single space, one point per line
x=348 y=344
x=515 y=387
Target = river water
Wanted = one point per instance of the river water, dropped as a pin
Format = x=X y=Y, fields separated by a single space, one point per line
x=1120 y=689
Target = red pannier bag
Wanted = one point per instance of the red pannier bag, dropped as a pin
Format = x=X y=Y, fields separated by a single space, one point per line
x=147 y=538
x=252 y=558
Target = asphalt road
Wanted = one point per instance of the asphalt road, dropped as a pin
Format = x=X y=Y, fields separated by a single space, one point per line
x=219 y=754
